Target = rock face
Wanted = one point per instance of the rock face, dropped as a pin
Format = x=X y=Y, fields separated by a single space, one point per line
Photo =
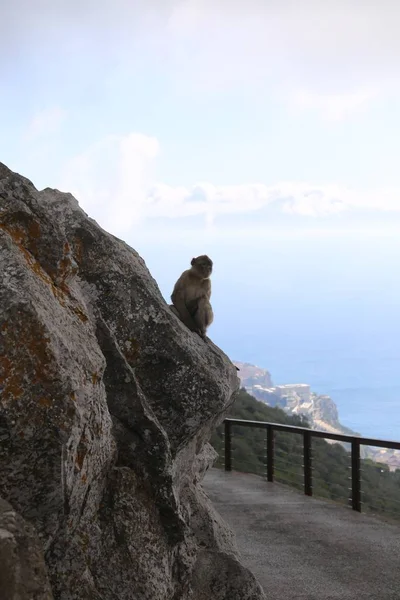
x=296 y=399
x=253 y=376
x=107 y=402
x=23 y=574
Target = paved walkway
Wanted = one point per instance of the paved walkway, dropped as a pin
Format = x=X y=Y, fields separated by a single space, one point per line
x=300 y=548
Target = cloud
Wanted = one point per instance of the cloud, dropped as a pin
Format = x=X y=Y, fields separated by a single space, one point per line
x=114 y=181
x=46 y=122
x=296 y=198
x=111 y=177
x=333 y=107
x=206 y=199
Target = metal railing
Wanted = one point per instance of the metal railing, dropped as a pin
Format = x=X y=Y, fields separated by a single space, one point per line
x=308 y=435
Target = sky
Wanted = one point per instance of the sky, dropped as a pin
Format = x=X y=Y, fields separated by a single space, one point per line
x=188 y=123
x=204 y=111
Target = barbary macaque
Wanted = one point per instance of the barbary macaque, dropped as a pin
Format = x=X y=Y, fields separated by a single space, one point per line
x=191 y=296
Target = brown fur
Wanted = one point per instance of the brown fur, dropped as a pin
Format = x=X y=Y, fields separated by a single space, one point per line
x=191 y=296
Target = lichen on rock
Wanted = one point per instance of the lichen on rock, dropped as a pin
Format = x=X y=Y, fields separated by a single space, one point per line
x=107 y=403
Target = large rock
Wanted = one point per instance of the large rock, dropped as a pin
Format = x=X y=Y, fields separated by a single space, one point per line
x=23 y=574
x=106 y=405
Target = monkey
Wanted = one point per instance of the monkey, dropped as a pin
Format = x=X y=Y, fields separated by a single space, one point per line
x=191 y=296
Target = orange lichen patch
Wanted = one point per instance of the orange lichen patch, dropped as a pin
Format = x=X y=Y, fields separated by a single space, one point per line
x=34 y=230
x=80 y=457
x=22 y=235
x=73 y=396
x=84 y=478
x=65 y=269
x=37 y=268
x=95 y=378
x=59 y=294
x=64 y=287
x=16 y=233
x=45 y=401
x=80 y=314
x=10 y=379
x=19 y=236
x=64 y=265
x=4 y=326
x=26 y=358
x=5 y=364
x=78 y=250
x=36 y=346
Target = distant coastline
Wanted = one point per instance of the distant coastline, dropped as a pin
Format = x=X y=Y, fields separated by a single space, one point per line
x=320 y=410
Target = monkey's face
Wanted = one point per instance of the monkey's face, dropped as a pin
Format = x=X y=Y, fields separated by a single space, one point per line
x=203 y=266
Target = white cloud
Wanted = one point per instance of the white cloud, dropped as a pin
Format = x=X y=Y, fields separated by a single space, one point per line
x=46 y=122
x=205 y=199
x=333 y=107
x=113 y=182
x=313 y=201
x=300 y=198
x=110 y=179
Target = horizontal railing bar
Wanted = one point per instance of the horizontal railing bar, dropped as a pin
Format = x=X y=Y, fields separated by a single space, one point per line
x=318 y=433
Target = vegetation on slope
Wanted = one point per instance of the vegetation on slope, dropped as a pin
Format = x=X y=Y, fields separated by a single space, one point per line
x=331 y=462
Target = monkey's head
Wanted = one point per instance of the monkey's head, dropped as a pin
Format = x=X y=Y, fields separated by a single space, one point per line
x=202 y=266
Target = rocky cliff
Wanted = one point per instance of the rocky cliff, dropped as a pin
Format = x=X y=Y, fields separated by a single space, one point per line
x=320 y=410
x=107 y=402
x=253 y=375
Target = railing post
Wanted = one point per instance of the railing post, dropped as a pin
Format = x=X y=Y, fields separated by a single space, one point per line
x=355 y=475
x=307 y=463
x=228 y=446
x=270 y=453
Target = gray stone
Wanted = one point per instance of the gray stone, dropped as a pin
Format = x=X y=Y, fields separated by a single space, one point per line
x=107 y=403
x=23 y=573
